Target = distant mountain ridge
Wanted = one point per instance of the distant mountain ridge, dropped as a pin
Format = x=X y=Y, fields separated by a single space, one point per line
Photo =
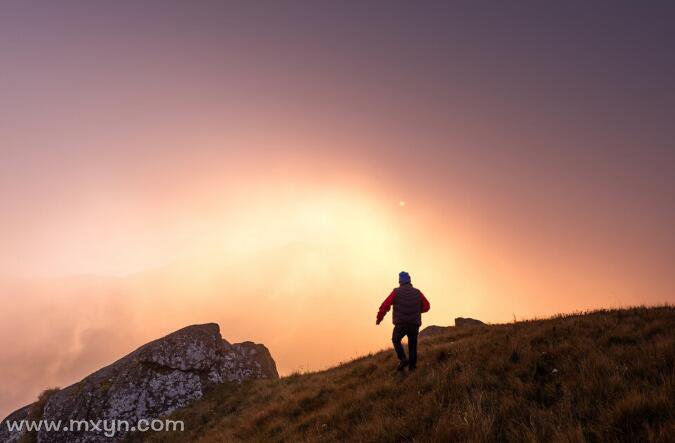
x=152 y=381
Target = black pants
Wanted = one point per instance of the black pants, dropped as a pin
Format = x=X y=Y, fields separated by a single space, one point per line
x=401 y=331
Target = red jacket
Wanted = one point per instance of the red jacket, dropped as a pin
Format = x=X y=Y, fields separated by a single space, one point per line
x=389 y=301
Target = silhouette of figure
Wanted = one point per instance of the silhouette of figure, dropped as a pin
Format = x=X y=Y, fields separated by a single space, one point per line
x=409 y=304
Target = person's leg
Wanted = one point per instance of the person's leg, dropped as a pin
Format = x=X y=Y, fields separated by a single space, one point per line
x=412 y=345
x=396 y=338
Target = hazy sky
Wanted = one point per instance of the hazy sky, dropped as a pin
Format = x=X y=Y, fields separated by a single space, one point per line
x=167 y=163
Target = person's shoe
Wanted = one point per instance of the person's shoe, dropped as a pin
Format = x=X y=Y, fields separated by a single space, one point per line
x=412 y=368
x=402 y=365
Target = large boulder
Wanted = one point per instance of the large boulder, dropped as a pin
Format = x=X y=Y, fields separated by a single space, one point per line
x=151 y=382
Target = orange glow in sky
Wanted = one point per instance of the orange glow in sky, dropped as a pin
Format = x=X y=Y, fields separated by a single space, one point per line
x=274 y=169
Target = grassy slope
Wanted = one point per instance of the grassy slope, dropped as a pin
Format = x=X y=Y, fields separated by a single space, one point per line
x=614 y=381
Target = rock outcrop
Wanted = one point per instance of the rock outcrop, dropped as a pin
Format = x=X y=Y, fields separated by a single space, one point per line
x=432 y=330
x=151 y=382
x=460 y=322
x=259 y=354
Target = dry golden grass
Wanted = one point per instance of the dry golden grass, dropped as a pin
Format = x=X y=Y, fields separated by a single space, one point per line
x=598 y=376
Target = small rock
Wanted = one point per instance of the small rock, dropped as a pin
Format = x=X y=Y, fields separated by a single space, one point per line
x=461 y=321
x=433 y=330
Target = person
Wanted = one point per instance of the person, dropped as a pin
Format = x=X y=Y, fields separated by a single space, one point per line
x=409 y=304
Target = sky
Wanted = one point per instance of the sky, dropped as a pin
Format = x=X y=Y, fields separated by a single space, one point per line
x=272 y=167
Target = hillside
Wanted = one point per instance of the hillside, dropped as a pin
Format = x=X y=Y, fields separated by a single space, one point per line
x=598 y=376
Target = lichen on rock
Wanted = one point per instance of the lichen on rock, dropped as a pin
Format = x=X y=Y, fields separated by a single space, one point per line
x=151 y=382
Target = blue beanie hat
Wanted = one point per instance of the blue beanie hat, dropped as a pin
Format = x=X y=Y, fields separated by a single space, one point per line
x=403 y=277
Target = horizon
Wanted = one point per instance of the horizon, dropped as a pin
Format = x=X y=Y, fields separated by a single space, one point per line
x=272 y=168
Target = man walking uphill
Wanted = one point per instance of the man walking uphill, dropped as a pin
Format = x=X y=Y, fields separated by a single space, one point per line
x=409 y=304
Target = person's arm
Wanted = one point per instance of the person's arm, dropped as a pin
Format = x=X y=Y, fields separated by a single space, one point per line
x=384 y=307
x=425 y=303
